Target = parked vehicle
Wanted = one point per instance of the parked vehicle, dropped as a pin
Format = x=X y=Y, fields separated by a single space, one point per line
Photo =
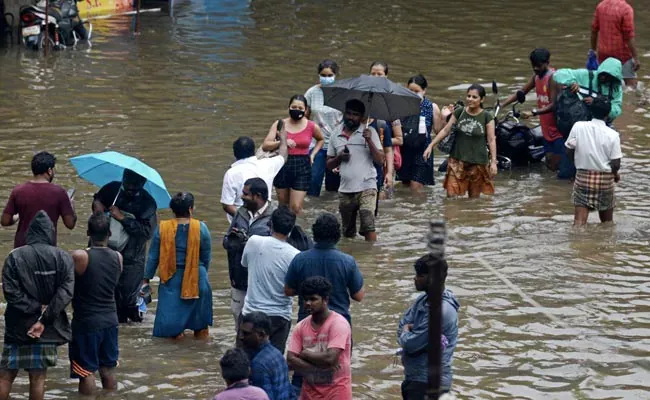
x=64 y=27
x=517 y=144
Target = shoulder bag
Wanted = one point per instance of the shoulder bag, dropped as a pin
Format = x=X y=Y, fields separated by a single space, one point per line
x=260 y=153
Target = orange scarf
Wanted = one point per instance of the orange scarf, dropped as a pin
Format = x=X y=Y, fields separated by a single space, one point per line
x=167 y=261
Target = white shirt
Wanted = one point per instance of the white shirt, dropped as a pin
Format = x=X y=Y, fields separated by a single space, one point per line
x=243 y=170
x=267 y=260
x=258 y=213
x=595 y=145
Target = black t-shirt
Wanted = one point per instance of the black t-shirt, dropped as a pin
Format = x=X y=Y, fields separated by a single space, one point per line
x=94 y=291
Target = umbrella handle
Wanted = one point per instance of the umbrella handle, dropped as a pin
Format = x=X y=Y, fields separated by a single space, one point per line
x=370 y=98
x=118 y=195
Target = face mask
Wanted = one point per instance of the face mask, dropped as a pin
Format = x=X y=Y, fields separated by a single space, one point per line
x=421 y=95
x=351 y=125
x=327 y=80
x=296 y=115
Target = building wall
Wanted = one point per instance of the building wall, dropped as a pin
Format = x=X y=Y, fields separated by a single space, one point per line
x=12 y=6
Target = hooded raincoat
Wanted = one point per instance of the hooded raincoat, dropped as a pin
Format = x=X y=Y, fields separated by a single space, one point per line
x=34 y=275
x=611 y=66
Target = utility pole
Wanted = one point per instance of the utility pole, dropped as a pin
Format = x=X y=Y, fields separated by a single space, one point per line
x=436 y=246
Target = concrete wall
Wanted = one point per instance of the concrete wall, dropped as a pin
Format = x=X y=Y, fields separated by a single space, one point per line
x=12 y=6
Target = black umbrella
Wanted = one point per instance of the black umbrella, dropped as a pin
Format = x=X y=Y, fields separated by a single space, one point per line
x=383 y=98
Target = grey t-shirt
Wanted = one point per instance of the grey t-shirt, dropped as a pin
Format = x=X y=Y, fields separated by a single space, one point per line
x=267 y=260
x=359 y=173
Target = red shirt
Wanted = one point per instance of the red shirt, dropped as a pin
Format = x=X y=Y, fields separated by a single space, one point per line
x=302 y=139
x=28 y=199
x=614 y=22
x=547 y=121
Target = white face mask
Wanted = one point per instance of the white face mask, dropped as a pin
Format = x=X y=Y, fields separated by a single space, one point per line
x=421 y=95
x=327 y=80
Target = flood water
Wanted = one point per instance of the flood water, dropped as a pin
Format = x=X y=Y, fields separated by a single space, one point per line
x=573 y=324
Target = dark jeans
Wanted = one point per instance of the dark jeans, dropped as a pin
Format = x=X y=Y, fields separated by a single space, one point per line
x=127 y=292
x=567 y=169
x=412 y=390
x=280 y=328
x=319 y=172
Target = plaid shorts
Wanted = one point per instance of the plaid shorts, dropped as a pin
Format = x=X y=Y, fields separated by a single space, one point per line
x=296 y=174
x=594 y=190
x=28 y=356
x=362 y=203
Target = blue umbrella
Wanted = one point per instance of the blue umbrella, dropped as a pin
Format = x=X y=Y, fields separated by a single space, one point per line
x=102 y=168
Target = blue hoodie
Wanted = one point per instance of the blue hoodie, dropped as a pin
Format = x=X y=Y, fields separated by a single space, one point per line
x=415 y=342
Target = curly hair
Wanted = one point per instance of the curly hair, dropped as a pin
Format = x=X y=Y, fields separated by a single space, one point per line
x=316 y=285
x=326 y=229
x=235 y=365
x=430 y=262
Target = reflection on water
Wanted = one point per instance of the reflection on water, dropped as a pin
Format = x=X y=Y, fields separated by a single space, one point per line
x=178 y=94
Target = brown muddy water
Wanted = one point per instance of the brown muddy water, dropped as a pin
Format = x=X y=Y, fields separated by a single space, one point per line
x=574 y=322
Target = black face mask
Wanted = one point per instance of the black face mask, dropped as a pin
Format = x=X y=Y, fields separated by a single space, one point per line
x=350 y=124
x=296 y=115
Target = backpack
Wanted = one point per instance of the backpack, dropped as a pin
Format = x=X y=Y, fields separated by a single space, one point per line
x=411 y=131
x=299 y=239
x=569 y=109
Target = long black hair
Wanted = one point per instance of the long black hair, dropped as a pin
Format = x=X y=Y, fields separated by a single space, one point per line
x=331 y=64
x=299 y=97
x=419 y=80
x=380 y=64
x=480 y=89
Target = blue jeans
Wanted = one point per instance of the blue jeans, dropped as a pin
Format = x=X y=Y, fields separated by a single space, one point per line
x=319 y=172
x=566 y=169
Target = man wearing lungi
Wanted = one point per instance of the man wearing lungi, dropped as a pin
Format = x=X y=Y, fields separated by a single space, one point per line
x=596 y=150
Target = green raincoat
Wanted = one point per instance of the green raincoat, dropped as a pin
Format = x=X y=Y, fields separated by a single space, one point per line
x=581 y=76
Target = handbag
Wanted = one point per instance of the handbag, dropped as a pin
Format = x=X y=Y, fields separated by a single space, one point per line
x=260 y=153
x=119 y=237
x=397 y=154
x=447 y=144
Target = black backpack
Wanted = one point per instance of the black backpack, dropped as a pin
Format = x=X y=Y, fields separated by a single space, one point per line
x=299 y=239
x=411 y=132
x=569 y=109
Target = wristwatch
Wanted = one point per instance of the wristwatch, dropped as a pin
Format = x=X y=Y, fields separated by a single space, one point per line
x=534 y=112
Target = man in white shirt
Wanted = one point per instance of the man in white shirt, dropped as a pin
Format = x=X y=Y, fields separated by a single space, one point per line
x=267 y=259
x=596 y=150
x=249 y=166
